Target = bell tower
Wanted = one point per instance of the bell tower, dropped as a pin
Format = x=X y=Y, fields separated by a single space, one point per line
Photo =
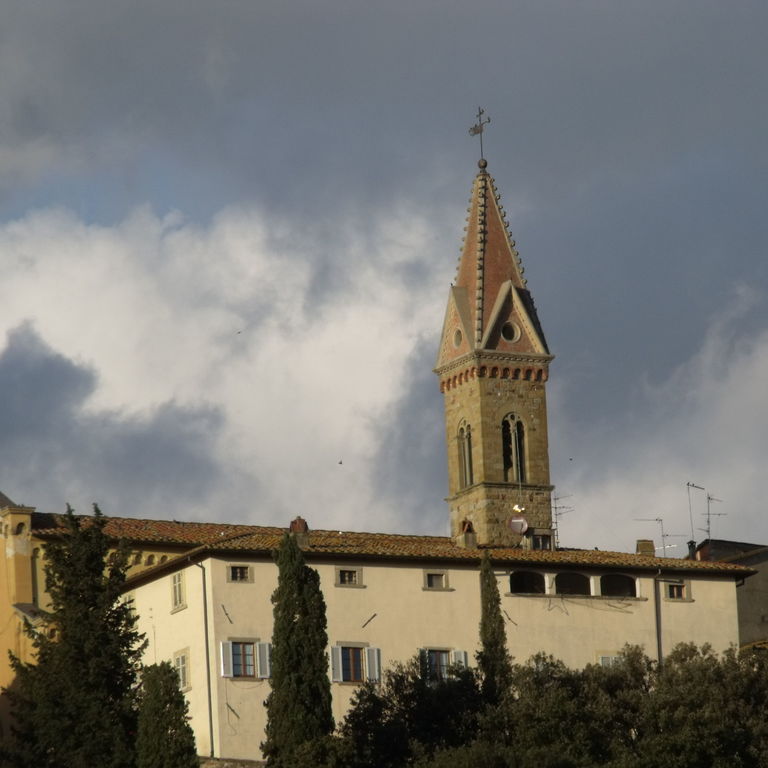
x=493 y=365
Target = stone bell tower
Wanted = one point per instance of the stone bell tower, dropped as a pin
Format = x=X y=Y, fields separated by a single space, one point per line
x=493 y=366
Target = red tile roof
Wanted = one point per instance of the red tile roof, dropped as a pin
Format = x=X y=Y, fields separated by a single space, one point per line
x=137 y=531
x=261 y=540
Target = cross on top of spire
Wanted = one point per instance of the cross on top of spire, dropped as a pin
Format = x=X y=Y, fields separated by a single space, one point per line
x=477 y=130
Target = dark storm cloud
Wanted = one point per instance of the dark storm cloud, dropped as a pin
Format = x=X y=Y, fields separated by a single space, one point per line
x=349 y=104
x=627 y=139
x=52 y=451
x=411 y=467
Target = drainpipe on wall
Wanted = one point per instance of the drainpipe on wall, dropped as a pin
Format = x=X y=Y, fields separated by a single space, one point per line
x=207 y=656
x=657 y=608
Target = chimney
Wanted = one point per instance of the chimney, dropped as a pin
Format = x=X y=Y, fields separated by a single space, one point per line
x=467 y=539
x=300 y=531
x=691 y=550
x=645 y=547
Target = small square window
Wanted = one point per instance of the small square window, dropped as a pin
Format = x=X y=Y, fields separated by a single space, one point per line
x=240 y=573
x=435 y=580
x=349 y=577
x=541 y=541
x=676 y=591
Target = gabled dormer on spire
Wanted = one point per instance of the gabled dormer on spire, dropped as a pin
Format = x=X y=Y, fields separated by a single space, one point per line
x=493 y=363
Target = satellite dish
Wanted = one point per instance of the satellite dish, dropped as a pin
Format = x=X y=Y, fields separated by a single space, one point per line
x=518 y=524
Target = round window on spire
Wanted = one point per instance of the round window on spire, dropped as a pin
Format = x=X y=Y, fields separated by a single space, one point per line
x=457 y=337
x=510 y=332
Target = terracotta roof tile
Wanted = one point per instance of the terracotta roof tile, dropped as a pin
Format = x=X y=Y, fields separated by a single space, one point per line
x=255 y=539
x=137 y=531
x=396 y=546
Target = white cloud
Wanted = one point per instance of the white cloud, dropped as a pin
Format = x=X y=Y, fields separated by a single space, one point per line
x=230 y=315
x=705 y=423
x=166 y=311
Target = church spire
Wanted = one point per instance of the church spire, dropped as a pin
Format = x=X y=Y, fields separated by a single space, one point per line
x=490 y=296
x=493 y=363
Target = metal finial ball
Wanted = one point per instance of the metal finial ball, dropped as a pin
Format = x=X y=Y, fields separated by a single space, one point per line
x=482 y=163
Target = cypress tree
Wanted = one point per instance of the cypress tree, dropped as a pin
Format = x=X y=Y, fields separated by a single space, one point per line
x=164 y=738
x=492 y=658
x=299 y=705
x=75 y=706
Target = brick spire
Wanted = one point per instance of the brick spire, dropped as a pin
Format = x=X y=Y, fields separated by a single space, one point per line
x=490 y=307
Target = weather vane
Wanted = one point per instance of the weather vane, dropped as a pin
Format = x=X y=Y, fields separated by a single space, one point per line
x=478 y=127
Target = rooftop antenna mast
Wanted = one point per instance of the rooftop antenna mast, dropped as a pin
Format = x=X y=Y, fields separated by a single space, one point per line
x=664 y=535
x=478 y=128
x=558 y=510
x=690 y=509
x=711 y=514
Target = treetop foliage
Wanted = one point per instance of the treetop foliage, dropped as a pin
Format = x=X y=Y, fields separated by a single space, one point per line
x=164 y=738
x=299 y=704
x=696 y=710
x=75 y=705
x=493 y=659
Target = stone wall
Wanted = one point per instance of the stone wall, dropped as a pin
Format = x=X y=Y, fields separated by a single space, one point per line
x=482 y=401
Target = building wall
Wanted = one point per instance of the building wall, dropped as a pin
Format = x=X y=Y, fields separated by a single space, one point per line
x=752 y=601
x=392 y=610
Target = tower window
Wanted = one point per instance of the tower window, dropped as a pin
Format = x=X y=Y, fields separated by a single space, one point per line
x=510 y=332
x=513 y=449
x=465 y=456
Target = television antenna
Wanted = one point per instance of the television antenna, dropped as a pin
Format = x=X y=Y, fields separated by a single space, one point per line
x=710 y=514
x=664 y=535
x=690 y=509
x=558 y=510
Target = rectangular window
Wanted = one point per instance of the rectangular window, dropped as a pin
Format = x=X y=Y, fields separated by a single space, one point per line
x=349 y=577
x=437 y=664
x=435 y=580
x=181 y=664
x=243 y=660
x=241 y=573
x=609 y=661
x=355 y=663
x=541 y=541
x=128 y=601
x=178 y=597
x=351 y=664
x=246 y=658
x=676 y=591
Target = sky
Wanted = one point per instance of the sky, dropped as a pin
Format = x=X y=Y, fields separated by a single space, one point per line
x=227 y=233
